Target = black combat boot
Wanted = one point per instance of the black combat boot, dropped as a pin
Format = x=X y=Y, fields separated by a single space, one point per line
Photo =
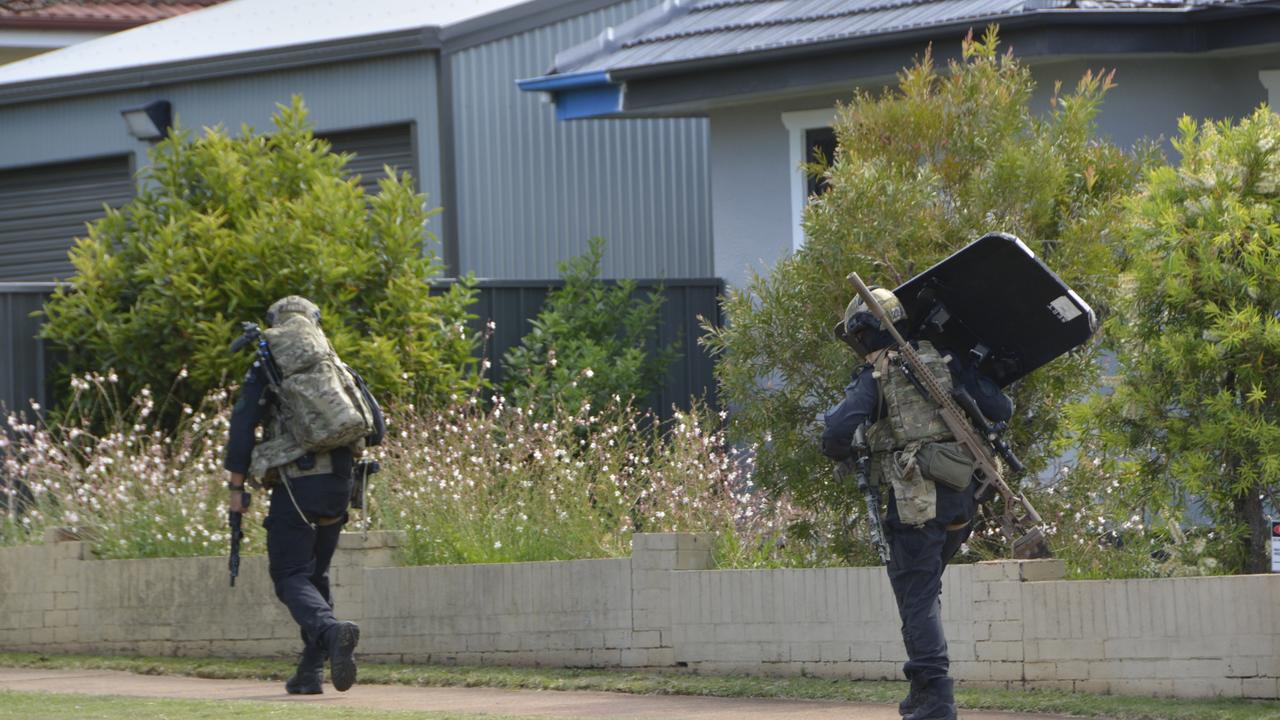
x=340 y=641
x=937 y=701
x=308 y=679
x=912 y=701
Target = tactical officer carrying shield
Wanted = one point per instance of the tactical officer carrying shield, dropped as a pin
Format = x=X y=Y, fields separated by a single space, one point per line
x=932 y=504
x=315 y=421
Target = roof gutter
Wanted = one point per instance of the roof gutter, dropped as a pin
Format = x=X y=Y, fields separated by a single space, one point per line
x=579 y=95
x=22 y=22
x=251 y=62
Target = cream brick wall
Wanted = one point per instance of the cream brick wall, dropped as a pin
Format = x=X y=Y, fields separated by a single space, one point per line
x=1184 y=637
x=52 y=598
x=1008 y=624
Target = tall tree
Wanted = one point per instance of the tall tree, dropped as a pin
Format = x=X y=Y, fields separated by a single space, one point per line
x=920 y=170
x=1194 y=423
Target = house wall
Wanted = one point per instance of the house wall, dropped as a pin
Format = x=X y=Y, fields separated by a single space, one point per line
x=1010 y=624
x=751 y=167
x=340 y=96
x=531 y=191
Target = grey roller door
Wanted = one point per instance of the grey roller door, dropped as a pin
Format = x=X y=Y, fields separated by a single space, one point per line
x=375 y=147
x=43 y=208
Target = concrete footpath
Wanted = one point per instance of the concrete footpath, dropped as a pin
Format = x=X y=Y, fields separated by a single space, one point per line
x=477 y=701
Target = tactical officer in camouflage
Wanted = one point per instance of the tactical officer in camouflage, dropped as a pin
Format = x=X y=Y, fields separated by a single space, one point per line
x=932 y=503
x=308 y=509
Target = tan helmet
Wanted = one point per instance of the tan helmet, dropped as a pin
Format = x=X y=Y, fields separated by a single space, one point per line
x=285 y=307
x=858 y=320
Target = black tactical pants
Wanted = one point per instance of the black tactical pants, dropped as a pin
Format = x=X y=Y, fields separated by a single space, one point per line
x=298 y=555
x=919 y=555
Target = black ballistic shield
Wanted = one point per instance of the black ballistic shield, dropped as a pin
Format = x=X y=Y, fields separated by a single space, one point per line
x=997 y=303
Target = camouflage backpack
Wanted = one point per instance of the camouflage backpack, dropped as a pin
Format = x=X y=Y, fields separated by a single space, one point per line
x=321 y=405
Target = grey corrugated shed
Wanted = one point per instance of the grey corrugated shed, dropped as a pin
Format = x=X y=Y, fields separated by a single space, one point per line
x=531 y=191
x=520 y=191
x=691 y=30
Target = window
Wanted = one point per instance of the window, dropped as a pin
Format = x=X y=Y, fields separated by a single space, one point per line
x=819 y=143
x=809 y=133
x=374 y=148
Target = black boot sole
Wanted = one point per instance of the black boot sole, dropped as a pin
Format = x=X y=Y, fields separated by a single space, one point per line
x=342 y=661
x=303 y=689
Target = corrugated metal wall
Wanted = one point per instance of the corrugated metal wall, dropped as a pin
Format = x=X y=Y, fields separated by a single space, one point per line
x=24 y=360
x=531 y=190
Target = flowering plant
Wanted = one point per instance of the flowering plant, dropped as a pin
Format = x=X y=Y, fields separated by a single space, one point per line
x=124 y=486
x=480 y=482
x=470 y=482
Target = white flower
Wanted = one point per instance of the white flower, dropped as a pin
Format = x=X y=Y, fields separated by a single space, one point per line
x=497 y=545
x=589 y=373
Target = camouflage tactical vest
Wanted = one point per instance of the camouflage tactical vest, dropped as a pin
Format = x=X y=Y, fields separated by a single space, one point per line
x=909 y=416
x=909 y=420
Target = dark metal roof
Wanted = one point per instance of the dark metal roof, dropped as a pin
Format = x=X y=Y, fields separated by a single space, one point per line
x=688 y=31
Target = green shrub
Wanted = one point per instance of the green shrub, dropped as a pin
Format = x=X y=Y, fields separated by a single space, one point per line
x=1194 y=422
x=589 y=343
x=226 y=225
x=921 y=170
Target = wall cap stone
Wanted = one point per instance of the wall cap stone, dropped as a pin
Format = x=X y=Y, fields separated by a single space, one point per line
x=379 y=539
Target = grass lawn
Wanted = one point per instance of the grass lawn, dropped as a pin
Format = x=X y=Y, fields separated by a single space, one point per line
x=50 y=706
x=673 y=683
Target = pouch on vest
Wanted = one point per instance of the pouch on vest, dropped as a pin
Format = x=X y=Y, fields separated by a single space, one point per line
x=946 y=462
x=271 y=453
x=309 y=464
x=915 y=495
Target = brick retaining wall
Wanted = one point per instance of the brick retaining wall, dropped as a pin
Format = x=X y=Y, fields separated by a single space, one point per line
x=1009 y=624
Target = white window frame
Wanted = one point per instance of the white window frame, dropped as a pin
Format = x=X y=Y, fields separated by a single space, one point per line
x=797 y=124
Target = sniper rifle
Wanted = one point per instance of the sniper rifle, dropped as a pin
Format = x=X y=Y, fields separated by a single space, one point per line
x=1031 y=543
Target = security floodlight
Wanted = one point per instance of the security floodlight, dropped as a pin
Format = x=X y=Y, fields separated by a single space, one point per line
x=149 y=122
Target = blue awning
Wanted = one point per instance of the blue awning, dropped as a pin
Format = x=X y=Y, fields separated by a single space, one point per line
x=578 y=95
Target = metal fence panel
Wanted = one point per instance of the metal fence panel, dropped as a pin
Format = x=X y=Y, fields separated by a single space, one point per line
x=25 y=361
x=511 y=304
